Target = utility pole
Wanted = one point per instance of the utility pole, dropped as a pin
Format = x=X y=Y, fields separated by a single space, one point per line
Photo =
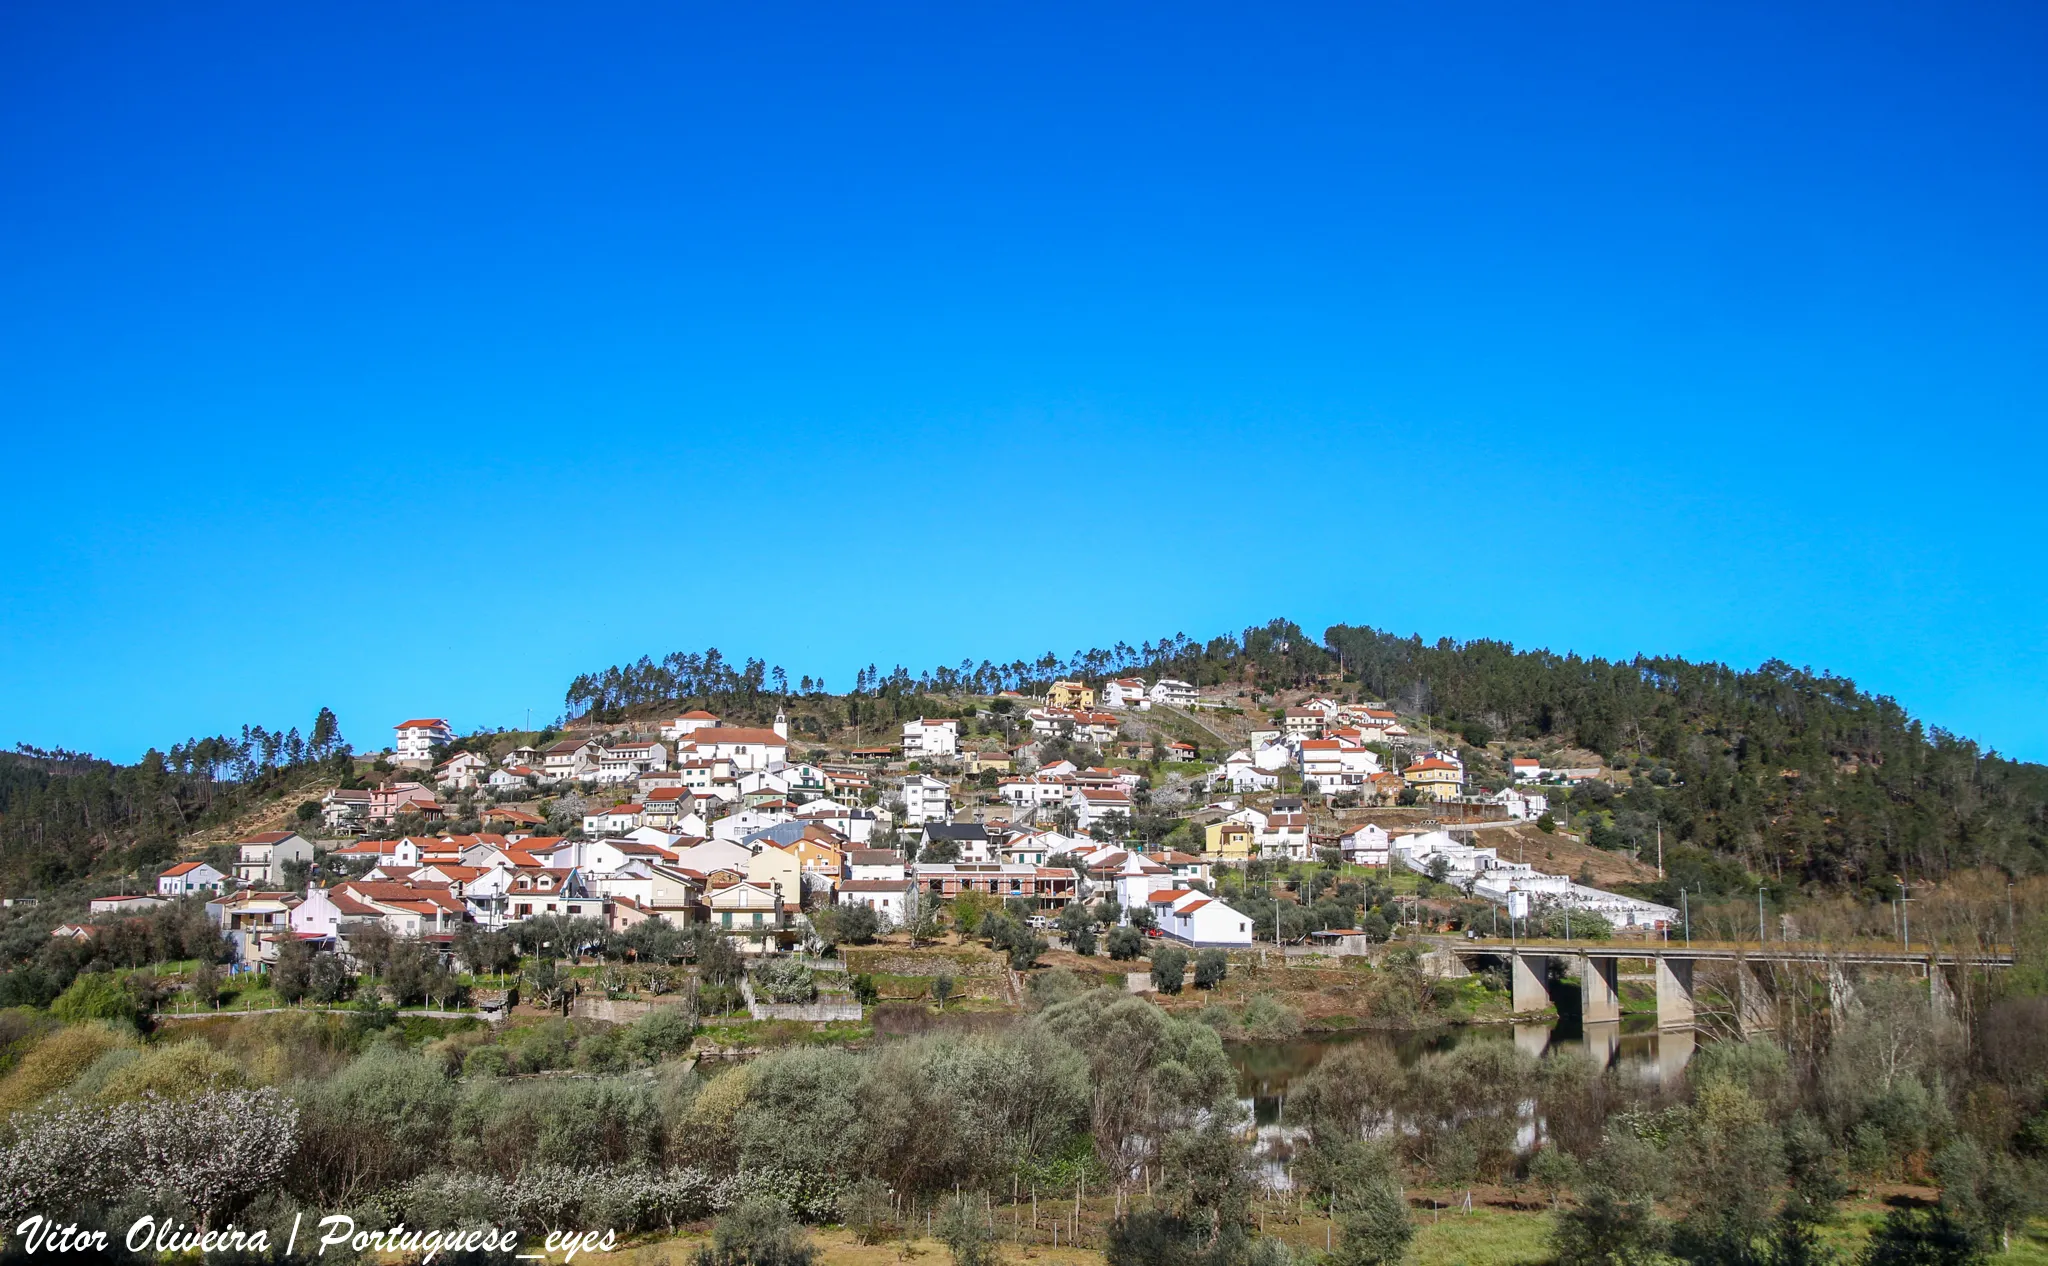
x=1759 y=915
x=1685 y=913
x=1660 y=848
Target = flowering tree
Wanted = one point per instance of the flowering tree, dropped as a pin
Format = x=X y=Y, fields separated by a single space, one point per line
x=213 y=1152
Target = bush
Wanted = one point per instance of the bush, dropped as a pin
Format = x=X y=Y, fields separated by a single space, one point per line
x=178 y=1071
x=1922 y=1237
x=867 y=1210
x=858 y=925
x=1211 y=966
x=94 y=996
x=784 y=980
x=1169 y=968
x=660 y=1035
x=487 y=1061
x=1125 y=944
x=966 y=1233
x=1268 y=1018
x=57 y=1061
x=758 y=1232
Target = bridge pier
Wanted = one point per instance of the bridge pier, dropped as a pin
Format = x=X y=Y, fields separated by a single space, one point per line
x=1599 y=990
x=1603 y=1041
x=1753 y=1011
x=1675 y=1009
x=1531 y=973
x=1841 y=993
x=1674 y=1052
x=1940 y=996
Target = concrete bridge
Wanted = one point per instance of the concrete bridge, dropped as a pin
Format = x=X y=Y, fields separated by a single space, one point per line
x=1533 y=965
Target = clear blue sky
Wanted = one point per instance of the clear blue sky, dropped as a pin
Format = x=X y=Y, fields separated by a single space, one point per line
x=410 y=359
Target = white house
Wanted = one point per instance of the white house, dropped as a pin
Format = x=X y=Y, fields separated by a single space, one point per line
x=1337 y=767
x=1304 y=722
x=1036 y=789
x=1099 y=728
x=571 y=760
x=1198 y=919
x=737 y=826
x=462 y=771
x=1525 y=806
x=1241 y=772
x=857 y=825
x=625 y=762
x=689 y=723
x=745 y=748
x=1125 y=692
x=925 y=799
x=714 y=854
x=875 y=863
x=342 y=810
x=186 y=878
x=1284 y=837
x=1365 y=846
x=417 y=738
x=1526 y=769
x=925 y=739
x=123 y=905
x=260 y=858
x=513 y=778
x=616 y=820
x=969 y=839
x=895 y=900
x=1178 y=693
x=1093 y=805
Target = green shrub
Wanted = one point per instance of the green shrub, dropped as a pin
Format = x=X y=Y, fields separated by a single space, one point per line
x=177 y=1071
x=57 y=1061
x=660 y=1034
x=487 y=1061
x=1169 y=968
x=95 y=996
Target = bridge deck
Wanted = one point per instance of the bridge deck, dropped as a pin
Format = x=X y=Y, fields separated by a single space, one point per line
x=1724 y=952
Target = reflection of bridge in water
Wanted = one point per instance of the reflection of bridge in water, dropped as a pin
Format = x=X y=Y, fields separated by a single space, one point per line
x=1658 y=1053
x=1533 y=968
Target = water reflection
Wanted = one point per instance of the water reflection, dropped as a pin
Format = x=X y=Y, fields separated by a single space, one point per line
x=1632 y=1046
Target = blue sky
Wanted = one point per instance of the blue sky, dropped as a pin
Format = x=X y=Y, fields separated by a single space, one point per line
x=410 y=359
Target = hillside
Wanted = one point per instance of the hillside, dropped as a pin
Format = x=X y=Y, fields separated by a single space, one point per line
x=1786 y=775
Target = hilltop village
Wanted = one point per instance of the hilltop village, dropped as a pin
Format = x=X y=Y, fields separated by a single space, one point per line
x=1146 y=801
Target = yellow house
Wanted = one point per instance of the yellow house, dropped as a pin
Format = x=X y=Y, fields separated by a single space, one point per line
x=778 y=870
x=1434 y=779
x=1069 y=694
x=1230 y=842
x=816 y=857
x=978 y=761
